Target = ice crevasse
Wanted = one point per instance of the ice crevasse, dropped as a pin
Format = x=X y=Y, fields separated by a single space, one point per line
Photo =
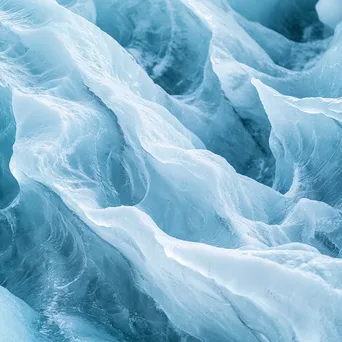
x=170 y=170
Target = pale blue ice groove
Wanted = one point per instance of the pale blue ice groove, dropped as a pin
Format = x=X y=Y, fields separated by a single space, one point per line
x=170 y=171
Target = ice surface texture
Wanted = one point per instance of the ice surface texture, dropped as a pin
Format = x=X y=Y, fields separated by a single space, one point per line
x=170 y=171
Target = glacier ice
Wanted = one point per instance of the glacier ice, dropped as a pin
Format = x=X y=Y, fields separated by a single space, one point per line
x=18 y=320
x=329 y=12
x=170 y=171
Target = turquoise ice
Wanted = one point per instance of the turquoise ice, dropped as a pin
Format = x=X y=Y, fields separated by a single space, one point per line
x=170 y=171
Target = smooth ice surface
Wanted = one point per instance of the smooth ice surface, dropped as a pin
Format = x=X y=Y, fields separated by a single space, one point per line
x=17 y=319
x=170 y=171
x=329 y=12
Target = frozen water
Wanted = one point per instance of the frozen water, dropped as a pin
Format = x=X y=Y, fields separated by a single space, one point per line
x=170 y=171
x=329 y=12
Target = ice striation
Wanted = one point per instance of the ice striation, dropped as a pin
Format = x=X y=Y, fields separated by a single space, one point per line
x=170 y=170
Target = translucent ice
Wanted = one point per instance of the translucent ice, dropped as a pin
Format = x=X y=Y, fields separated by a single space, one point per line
x=329 y=12
x=170 y=171
x=17 y=319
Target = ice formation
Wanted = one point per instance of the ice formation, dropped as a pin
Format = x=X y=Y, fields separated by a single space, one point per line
x=170 y=170
x=330 y=12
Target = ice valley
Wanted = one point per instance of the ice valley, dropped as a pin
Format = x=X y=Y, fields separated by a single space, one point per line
x=170 y=170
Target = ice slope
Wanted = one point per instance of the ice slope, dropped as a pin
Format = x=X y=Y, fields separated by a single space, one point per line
x=18 y=320
x=301 y=167
x=161 y=45
x=129 y=205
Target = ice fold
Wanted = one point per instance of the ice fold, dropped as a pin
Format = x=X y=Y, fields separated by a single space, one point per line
x=329 y=12
x=305 y=140
x=133 y=160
